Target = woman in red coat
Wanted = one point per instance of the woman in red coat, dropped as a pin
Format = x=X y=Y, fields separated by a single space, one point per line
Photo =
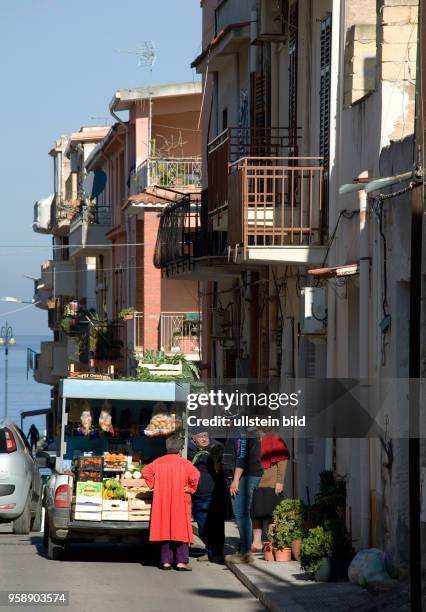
x=173 y=480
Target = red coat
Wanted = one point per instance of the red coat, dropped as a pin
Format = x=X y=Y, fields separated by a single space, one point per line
x=171 y=506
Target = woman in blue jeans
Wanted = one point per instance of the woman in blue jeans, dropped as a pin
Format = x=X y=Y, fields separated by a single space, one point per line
x=242 y=459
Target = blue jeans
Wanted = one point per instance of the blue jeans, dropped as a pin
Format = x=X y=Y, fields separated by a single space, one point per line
x=241 y=505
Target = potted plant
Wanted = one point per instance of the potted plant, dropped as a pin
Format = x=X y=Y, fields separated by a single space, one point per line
x=268 y=550
x=289 y=512
x=278 y=535
x=316 y=550
x=127 y=314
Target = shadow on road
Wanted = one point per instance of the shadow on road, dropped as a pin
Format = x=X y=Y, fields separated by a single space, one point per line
x=218 y=593
x=104 y=552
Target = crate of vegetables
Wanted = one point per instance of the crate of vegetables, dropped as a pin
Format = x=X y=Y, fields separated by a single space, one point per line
x=91 y=464
x=86 y=476
x=115 y=462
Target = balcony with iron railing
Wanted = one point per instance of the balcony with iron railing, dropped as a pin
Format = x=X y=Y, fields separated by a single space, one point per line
x=179 y=332
x=181 y=173
x=270 y=202
x=185 y=236
x=178 y=232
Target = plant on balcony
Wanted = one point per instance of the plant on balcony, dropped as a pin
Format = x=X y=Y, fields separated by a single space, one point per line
x=127 y=314
x=66 y=324
x=189 y=373
x=104 y=343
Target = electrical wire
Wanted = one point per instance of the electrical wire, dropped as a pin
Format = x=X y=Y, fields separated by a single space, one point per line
x=10 y=312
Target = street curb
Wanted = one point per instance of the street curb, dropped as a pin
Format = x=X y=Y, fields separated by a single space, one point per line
x=254 y=590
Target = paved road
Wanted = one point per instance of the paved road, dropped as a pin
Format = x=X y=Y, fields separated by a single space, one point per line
x=116 y=578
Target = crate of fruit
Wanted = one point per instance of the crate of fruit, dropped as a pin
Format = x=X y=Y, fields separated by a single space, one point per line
x=115 y=462
x=91 y=464
x=86 y=476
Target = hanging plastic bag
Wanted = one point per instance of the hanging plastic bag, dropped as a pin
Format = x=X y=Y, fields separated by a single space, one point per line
x=163 y=423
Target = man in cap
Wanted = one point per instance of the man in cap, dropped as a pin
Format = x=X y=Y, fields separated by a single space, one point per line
x=209 y=500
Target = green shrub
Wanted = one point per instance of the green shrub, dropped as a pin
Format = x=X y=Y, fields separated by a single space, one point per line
x=289 y=514
x=317 y=544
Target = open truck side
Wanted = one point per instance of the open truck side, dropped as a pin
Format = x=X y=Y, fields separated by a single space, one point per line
x=131 y=405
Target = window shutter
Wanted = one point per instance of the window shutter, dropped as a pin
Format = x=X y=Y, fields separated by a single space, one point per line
x=324 y=144
x=293 y=24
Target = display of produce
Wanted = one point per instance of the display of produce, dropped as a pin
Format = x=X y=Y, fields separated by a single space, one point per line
x=163 y=424
x=93 y=463
x=113 y=489
x=90 y=476
x=115 y=462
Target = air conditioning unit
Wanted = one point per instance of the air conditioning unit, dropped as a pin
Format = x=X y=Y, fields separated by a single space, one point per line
x=313 y=316
x=273 y=16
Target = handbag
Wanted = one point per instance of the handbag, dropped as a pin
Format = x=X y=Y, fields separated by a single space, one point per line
x=264 y=502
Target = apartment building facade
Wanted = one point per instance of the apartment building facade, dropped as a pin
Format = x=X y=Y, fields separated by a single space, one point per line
x=106 y=302
x=298 y=281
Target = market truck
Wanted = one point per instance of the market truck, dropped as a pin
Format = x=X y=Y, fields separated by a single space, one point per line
x=107 y=431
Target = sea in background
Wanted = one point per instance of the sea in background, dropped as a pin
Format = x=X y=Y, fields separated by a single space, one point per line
x=24 y=392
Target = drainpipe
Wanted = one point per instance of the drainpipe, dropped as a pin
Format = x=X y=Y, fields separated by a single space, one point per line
x=336 y=95
x=364 y=285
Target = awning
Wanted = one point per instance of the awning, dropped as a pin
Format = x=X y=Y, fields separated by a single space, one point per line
x=42 y=215
x=335 y=271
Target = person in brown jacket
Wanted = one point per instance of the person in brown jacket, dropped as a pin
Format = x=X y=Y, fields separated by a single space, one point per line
x=274 y=456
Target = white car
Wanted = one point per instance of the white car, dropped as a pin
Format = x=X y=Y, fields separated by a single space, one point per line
x=20 y=482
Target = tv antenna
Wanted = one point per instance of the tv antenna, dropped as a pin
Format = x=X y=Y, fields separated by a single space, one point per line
x=146 y=54
x=98 y=118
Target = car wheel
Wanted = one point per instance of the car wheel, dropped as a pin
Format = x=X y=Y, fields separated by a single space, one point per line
x=36 y=526
x=22 y=524
x=55 y=552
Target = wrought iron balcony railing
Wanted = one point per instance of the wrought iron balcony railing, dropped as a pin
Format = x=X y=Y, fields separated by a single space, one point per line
x=275 y=201
x=235 y=143
x=96 y=214
x=178 y=173
x=179 y=332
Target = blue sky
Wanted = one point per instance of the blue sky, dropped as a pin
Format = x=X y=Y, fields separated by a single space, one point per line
x=59 y=67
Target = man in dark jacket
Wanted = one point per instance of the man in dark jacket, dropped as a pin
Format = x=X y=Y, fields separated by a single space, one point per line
x=208 y=502
x=244 y=470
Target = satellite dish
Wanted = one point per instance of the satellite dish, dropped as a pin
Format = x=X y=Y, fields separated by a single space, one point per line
x=94 y=184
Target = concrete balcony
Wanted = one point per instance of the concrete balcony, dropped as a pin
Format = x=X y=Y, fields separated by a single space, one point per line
x=63 y=213
x=59 y=277
x=179 y=332
x=51 y=363
x=181 y=173
x=88 y=229
x=41 y=295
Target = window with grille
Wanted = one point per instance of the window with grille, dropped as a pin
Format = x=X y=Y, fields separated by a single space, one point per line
x=324 y=143
x=292 y=73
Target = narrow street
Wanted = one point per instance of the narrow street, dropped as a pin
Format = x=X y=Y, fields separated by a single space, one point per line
x=111 y=578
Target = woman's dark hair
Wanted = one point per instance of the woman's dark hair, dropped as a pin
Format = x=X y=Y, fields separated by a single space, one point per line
x=174 y=444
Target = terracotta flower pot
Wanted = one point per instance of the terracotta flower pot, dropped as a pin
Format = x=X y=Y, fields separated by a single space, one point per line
x=295 y=549
x=283 y=554
x=268 y=551
x=128 y=317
